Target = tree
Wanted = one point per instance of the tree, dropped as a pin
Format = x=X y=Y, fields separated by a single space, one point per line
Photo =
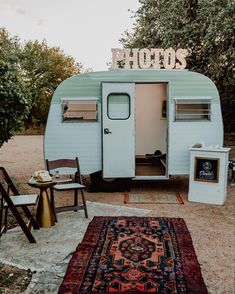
x=205 y=27
x=14 y=96
x=44 y=68
x=29 y=74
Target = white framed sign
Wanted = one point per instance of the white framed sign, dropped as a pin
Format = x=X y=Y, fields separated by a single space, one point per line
x=145 y=58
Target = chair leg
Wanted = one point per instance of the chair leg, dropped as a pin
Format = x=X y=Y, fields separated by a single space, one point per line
x=22 y=224
x=76 y=199
x=30 y=217
x=84 y=204
x=53 y=204
x=2 y=226
x=5 y=220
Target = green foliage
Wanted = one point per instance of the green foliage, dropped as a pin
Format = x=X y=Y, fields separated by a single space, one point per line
x=205 y=27
x=44 y=68
x=29 y=74
x=14 y=96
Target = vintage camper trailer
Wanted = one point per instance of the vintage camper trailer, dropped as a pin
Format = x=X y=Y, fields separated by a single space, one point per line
x=135 y=124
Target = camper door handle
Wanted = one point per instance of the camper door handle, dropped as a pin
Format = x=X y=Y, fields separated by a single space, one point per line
x=107 y=131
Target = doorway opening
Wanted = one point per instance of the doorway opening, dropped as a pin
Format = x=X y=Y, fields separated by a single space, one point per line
x=151 y=130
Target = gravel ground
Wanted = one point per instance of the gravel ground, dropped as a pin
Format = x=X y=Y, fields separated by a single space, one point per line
x=212 y=227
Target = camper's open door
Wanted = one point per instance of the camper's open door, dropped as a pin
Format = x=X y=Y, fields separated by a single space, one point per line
x=118 y=128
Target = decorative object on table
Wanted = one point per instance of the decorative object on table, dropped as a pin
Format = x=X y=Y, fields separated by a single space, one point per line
x=136 y=255
x=73 y=182
x=11 y=199
x=161 y=198
x=42 y=176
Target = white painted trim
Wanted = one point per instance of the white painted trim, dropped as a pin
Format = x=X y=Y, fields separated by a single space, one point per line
x=192 y=98
x=211 y=149
x=150 y=178
x=78 y=98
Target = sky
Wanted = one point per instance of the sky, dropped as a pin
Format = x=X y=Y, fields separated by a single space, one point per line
x=85 y=29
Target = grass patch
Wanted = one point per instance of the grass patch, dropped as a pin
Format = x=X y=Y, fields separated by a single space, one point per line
x=32 y=131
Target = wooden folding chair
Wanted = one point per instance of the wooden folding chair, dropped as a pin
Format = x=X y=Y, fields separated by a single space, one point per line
x=11 y=199
x=73 y=182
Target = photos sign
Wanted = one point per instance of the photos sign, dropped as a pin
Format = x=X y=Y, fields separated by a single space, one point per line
x=146 y=58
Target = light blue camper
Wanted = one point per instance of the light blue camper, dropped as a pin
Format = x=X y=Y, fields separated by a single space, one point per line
x=135 y=124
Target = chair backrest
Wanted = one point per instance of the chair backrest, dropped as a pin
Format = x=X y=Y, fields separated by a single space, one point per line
x=65 y=163
x=6 y=183
x=7 y=188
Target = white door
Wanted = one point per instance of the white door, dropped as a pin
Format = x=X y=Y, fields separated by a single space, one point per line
x=118 y=112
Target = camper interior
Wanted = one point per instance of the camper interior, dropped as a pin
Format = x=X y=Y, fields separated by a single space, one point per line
x=151 y=130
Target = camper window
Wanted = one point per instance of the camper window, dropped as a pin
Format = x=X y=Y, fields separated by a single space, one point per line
x=79 y=110
x=118 y=106
x=192 y=110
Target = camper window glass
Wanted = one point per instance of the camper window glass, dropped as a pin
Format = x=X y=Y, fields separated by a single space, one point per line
x=192 y=110
x=79 y=110
x=118 y=106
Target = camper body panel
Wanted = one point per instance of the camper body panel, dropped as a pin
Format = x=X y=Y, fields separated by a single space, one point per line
x=68 y=140
x=84 y=138
x=184 y=134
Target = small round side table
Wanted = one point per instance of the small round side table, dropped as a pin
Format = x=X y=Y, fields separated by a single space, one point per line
x=44 y=215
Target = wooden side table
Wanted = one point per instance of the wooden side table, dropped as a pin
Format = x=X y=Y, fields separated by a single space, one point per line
x=44 y=216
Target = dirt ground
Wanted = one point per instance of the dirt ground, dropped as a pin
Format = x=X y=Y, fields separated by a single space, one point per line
x=212 y=227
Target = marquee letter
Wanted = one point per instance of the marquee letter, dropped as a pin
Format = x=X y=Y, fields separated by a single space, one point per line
x=129 y=59
x=180 y=55
x=156 y=54
x=144 y=58
x=169 y=58
x=117 y=55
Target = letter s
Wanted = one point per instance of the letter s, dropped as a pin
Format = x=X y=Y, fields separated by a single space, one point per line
x=180 y=55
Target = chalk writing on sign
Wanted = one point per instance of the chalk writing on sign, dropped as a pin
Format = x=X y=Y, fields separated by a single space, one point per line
x=206 y=169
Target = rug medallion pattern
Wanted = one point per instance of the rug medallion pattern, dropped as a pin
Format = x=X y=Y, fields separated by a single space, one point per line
x=134 y=255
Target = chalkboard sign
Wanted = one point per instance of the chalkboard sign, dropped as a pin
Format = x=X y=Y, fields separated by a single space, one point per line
x=206 y=169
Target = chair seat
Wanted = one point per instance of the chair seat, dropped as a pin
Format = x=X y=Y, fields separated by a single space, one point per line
x=19 y=200
x=71 y=186
x=63 y=181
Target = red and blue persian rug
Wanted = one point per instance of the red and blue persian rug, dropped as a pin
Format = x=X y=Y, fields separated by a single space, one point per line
x=134 y=255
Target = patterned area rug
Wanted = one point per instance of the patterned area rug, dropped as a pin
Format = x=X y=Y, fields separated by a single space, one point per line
x=134 y=255
x=163 y=198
